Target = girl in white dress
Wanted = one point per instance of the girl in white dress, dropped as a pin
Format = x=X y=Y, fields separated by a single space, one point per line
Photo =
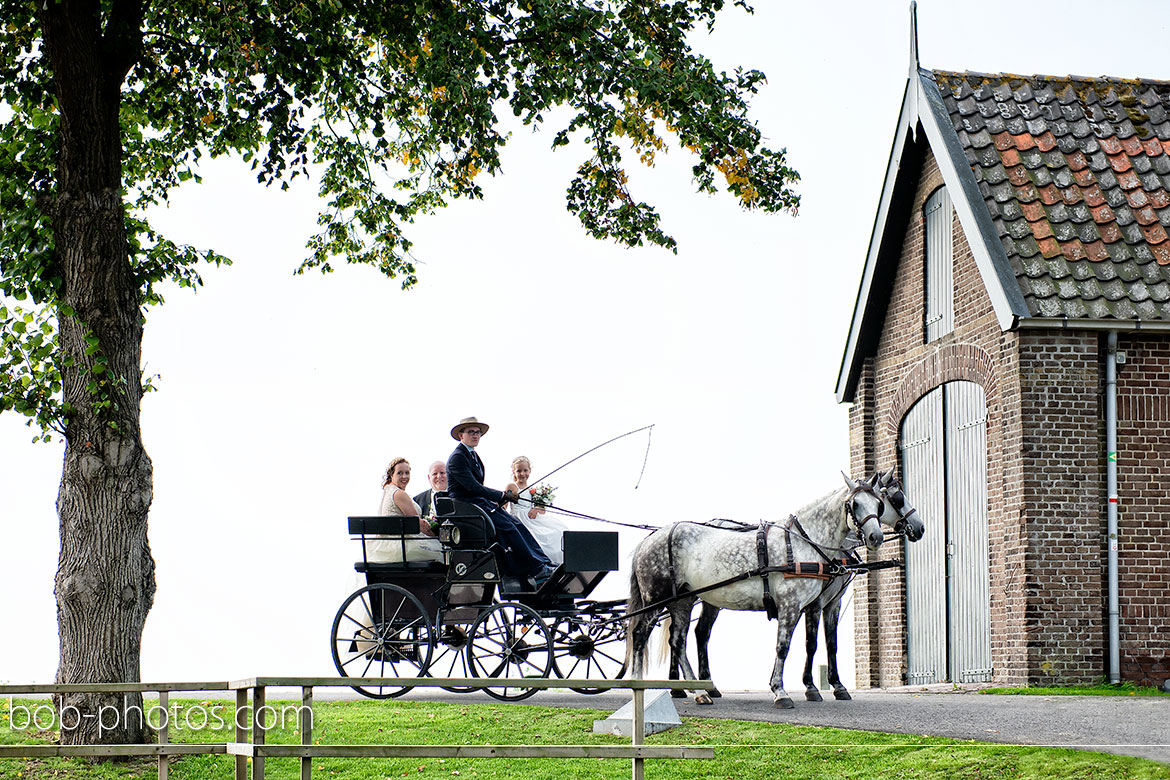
x=546 y=530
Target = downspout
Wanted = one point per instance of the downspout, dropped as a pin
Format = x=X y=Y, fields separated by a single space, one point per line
x=1111 y=509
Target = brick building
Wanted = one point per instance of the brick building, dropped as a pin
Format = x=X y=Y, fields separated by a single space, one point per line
x=1010 y=353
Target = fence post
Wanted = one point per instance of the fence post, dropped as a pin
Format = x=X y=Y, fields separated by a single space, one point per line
x=306 y=729
x=638 y=730
x=164 y=703
x=258 y=703
x=241 y=731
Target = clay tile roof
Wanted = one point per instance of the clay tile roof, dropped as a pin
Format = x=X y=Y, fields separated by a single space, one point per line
x=1075 y=173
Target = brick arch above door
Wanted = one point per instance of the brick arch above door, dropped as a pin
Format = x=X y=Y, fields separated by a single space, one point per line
x=945 y=364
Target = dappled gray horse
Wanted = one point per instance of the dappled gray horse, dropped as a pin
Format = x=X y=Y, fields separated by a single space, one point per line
x=828 y=604
x=676 y=564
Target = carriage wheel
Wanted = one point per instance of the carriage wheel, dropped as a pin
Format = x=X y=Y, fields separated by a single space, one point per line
x=382 y=631
x=450 y=658
x=591 y=646
x=510 y=640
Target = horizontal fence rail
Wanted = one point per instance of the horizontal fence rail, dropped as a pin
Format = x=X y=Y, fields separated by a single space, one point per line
x=252 y=692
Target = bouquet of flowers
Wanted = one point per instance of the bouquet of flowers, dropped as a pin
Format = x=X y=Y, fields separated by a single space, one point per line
x=542 y=496
x=432 y=520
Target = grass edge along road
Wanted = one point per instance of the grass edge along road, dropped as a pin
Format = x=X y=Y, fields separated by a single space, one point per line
x=743 y=748
x=1104 y=689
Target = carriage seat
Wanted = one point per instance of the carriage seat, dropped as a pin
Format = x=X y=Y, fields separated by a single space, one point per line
x=392 y=544
x=475 y=527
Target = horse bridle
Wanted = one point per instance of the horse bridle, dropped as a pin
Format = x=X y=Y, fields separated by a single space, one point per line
x=898 y=502
x=862 y=487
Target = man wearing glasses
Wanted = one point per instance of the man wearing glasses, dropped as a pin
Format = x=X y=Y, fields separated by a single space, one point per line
x=465 y=473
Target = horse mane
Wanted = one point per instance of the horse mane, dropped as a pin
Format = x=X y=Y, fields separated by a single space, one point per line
x=829 y=502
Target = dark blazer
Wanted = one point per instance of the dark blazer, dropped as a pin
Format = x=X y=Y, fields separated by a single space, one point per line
x=424 y=499
x=465 y=480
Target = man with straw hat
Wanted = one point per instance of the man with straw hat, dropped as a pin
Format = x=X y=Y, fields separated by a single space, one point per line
x=465 y=473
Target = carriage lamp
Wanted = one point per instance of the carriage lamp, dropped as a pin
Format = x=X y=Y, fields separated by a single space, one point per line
x=449 y=533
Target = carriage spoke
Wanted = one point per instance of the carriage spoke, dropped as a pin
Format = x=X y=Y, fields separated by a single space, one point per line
x=450 y=660
x=609 y=657
x=368 y=606
x=498 y=671
x=569 y=673
x=358 y=623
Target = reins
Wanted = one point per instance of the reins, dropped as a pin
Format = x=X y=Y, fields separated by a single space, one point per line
x=844 y=569
x=583 y=516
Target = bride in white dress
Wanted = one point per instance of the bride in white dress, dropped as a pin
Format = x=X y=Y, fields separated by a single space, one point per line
x=545 y=529
x=396 y=502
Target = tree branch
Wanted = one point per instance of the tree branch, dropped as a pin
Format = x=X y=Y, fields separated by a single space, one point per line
x=122 y=39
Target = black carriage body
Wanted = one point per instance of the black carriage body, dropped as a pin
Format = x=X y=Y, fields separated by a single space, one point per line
x=452 y=592
x=471 y=575
x=461 y=598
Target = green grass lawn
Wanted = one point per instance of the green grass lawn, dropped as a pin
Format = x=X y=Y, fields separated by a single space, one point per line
x=1102 y=689
x=743 y=749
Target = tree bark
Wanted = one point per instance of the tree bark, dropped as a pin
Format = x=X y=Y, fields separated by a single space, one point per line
x=105 y=574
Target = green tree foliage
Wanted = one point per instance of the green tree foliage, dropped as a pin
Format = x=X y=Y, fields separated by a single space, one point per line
x=395 y=108
x=392 y=105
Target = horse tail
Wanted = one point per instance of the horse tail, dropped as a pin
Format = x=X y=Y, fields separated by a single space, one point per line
x=635 y=654
x=664 y=640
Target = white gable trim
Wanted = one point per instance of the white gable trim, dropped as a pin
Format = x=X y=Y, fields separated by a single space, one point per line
x=922 y=105
x=971 y=208
x=907 y=122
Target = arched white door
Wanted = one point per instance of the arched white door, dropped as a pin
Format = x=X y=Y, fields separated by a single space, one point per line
x=948 y=606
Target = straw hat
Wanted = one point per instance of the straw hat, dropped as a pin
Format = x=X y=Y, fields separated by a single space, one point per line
x=467 y=422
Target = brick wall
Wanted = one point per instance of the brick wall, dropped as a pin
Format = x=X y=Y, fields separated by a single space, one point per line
x=1143 y=482
x=1046 y=480
x=866 y=608
x=1063 y=505
x=902 y=370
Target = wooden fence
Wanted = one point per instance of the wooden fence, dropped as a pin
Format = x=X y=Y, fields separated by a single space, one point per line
x=253 y=691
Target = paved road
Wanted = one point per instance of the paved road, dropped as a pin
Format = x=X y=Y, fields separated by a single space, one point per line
x=1134 y=726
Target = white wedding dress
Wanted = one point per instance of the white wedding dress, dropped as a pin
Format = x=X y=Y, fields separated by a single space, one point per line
x=388 y=549
x=546 y=529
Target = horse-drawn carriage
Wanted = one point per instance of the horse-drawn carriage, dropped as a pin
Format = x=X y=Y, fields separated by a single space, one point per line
x=458 y=617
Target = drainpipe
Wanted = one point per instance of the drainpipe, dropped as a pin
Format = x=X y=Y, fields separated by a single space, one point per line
x=1111 y=511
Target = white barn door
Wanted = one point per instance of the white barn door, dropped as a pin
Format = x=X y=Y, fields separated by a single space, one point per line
x=944 y=465
x=923 y=474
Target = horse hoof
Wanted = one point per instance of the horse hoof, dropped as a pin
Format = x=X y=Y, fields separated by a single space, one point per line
x=714 y=694
x=813 y=695
x=784 y=704
x=842 y=695
x=677 y=694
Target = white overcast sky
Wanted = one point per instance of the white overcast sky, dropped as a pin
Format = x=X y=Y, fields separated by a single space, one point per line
x=282 y=398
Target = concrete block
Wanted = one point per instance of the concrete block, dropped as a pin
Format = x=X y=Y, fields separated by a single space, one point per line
x=660 y=716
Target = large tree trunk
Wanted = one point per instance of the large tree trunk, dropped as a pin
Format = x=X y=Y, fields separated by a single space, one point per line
x=105 y=575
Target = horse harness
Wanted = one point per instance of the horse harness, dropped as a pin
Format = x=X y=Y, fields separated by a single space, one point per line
x=825 y=569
